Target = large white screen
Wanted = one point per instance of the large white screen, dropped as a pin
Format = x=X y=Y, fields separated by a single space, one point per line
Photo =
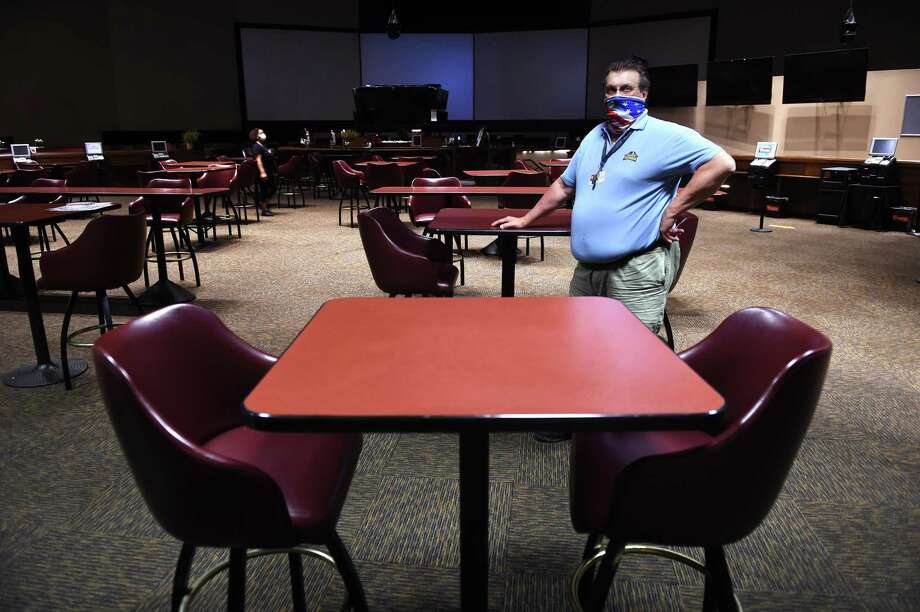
x=662 y=43
x=420 y=59
x=293 y=75
x=531 y=75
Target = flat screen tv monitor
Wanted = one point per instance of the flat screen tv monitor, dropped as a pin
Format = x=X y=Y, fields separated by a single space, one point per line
x=765 y=150
x=93 y=148
x=739 y=82
x=883 y=147
x=158 y=146
x=20 y=150
x=673 y=85
x=829 y=76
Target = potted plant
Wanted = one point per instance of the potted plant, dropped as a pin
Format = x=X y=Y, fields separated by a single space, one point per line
x=190 y=138
x=348 y=136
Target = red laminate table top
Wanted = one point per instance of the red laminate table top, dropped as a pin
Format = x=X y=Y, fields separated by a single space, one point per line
x=196 y=169
x=555 y=162
x=497 y=173
x=388 y=364
x=462 y=190
x=13 y=214
x=479 y=220
x=414 y=157
x=113 y=191
x=401 y=164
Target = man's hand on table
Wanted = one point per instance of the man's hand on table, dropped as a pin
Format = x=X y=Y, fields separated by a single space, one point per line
x=510 y=223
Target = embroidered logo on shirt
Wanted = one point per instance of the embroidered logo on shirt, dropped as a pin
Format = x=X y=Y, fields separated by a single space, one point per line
x=631 y=156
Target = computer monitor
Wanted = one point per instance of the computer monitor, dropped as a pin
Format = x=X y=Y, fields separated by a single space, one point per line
x=765 y=150
x=20 y=150
x=158 y=146
x=93 y=148
x=883 y=147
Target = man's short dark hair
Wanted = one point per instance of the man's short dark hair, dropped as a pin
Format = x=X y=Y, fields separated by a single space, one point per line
x=633 y=63
x=254 y=134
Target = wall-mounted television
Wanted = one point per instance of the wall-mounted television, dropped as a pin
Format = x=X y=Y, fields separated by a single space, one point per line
x=673 y=85
x=828 y=76
x=739 y=82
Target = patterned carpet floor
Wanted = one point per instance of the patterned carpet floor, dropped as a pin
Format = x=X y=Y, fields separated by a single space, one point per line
x=844 y=535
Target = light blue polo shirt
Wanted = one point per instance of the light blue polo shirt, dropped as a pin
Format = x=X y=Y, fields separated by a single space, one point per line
x=622 y=215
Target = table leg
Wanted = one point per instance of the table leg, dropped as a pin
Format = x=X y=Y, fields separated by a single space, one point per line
x=507 y=245
x=10 y=287
x=474 y=521
x=45 y=371
x=199 y=219
x=163 y=292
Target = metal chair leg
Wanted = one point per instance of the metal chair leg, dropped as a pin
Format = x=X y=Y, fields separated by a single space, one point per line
x=65 y=327
x=346 y=568
x=721 y=579
x=177 y=248
x=236 y=581
x=605 y=573
x=298 y=596
x=133 y=299
x=180 y=578
x=667 y=329
x=184 y=235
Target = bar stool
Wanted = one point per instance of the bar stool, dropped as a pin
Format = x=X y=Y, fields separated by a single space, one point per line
x=175 y=217
x=384 y=174
x=108 y=254
x=352 y=182
x=45 y=199
x=221 y=179
x=289 y=174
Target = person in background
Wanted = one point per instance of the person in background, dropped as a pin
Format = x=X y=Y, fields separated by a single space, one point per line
x=268 y=171
x=624 y=177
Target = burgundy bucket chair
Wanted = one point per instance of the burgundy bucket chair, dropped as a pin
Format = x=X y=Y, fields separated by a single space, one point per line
x=401 y=261
x=423 y=208
x=692 y=488
x=689 y=223
x=207 y=478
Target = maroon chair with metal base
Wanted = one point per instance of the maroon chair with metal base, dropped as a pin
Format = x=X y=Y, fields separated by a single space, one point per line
x=518 y=178
x=401 y=261
x=40 y=198
x=207 y=478
x=423 y=208
x=175 y=217
x=108 y=254
x=221 y=179
x=691 y=488
x=688 y=222
x=384 y=174
x=289 y=175
x=352 y=182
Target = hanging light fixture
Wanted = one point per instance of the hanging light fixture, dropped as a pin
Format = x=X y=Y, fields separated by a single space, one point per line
x=393 y=25
x=848 y=26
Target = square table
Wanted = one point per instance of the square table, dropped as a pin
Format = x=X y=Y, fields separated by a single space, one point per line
x=591 y=365
x=478 y=221
x=19 y=217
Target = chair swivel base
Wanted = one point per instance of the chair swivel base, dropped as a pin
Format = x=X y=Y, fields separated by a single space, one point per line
x=761 y=230
x=165 y=293
x=636 y=549
x=40 y=375
x=200 y=583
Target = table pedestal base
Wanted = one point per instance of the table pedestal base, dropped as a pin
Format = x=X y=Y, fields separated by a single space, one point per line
x=474 y=520
x=165 y=293
x=40 y=375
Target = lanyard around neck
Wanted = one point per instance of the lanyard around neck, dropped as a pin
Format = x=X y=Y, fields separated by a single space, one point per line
x=607 y=154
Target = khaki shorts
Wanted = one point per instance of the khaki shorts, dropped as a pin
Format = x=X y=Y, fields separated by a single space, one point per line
x=641 y=282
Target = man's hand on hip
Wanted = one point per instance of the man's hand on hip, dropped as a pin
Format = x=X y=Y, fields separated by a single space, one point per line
x=510 y=223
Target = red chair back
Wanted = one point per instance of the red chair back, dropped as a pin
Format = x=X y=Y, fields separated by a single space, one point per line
x=688 y=222
x=517 y=178
x=42 y=198
x=422 y=206
x=770 y=368
x=217 y=179
x=383 y=174
x=293 y=168
x=107 y=255
x=345 y=175
x=519 y=164
x=430 y=173
x=163 y=416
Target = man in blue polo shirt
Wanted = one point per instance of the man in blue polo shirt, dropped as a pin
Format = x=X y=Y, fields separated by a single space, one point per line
x=624 y=177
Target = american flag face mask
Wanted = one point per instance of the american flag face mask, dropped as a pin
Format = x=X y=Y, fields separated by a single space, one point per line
x=623 y=110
